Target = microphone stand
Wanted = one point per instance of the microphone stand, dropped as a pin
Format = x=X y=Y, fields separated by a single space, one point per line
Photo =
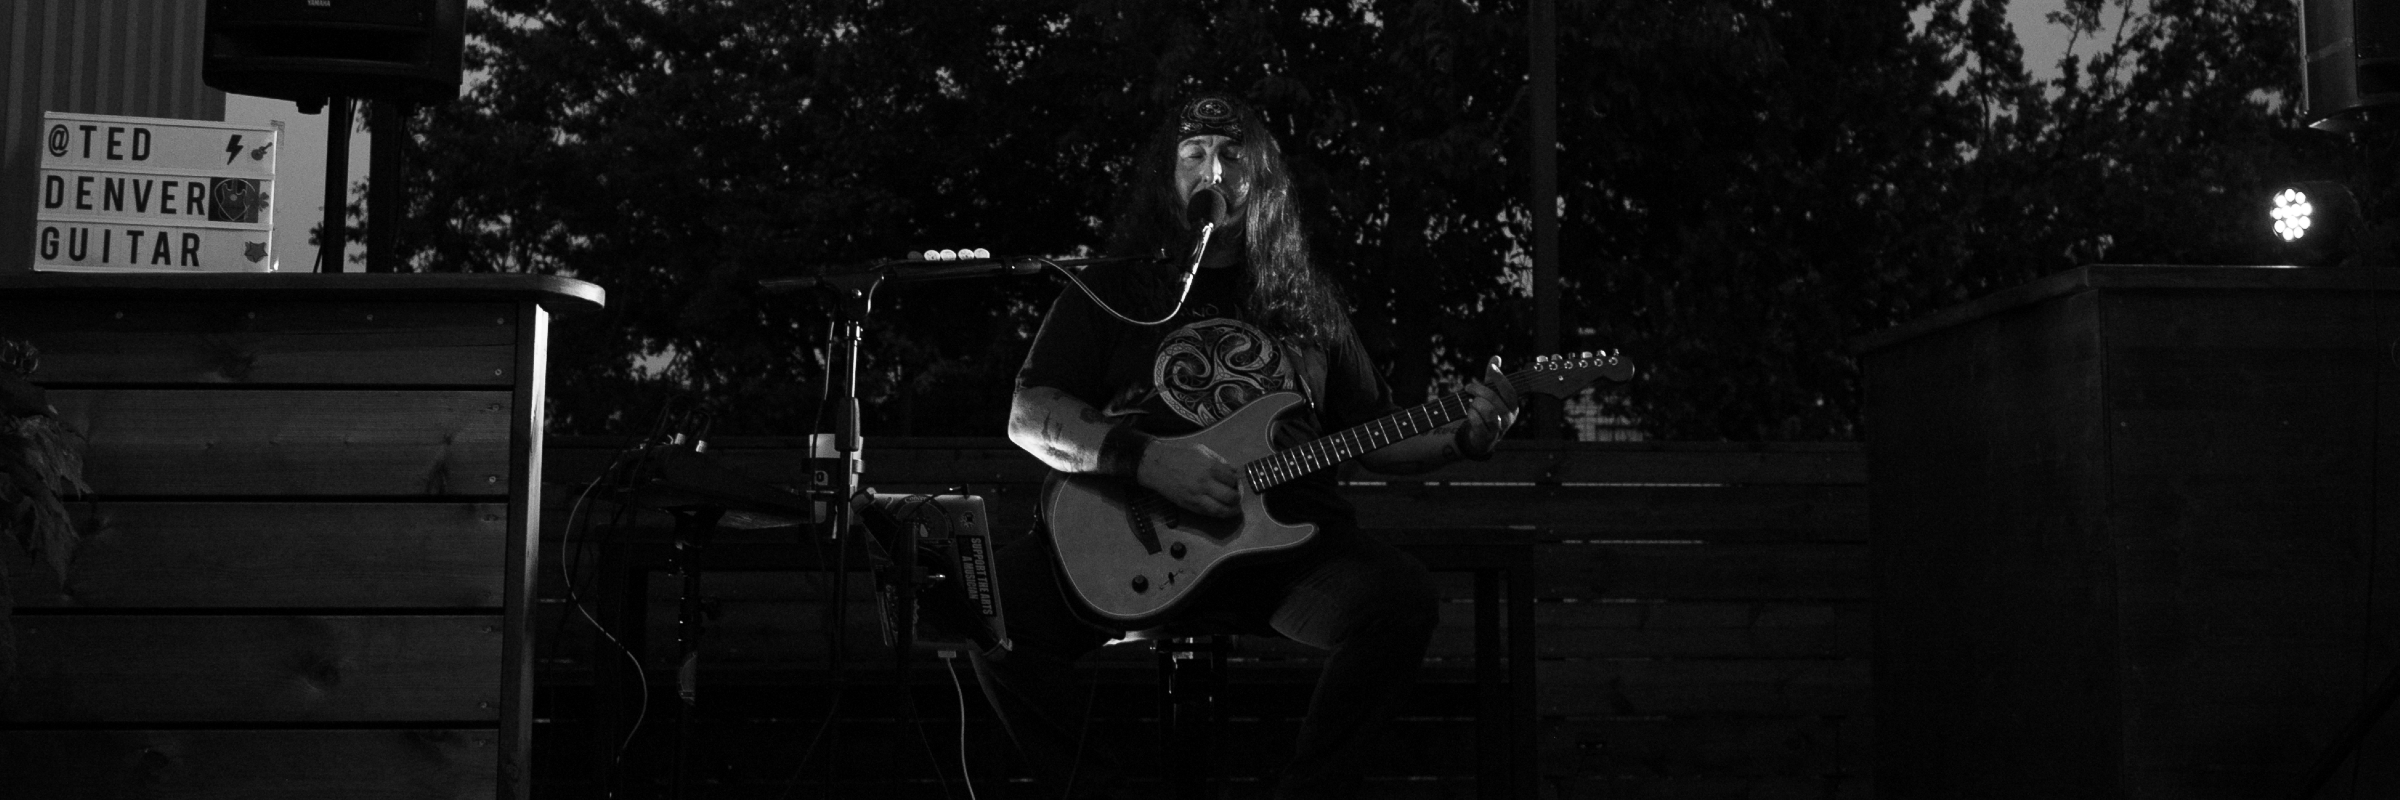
x=862 y=282
x=853 y=296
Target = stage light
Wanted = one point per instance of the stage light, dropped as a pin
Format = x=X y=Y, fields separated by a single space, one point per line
x=2291 y=214
x=2313 y=222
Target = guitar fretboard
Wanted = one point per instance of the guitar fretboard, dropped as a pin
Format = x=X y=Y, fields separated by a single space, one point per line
x=1284 y=466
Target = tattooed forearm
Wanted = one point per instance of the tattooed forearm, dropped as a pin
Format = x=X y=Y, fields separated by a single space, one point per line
x=1053 y=442
x=1054 y=453
x=1059 y=428
x=1121 y=452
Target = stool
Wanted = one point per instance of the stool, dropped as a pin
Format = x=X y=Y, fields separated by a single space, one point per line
x=1191 y=679
x=1506 y=737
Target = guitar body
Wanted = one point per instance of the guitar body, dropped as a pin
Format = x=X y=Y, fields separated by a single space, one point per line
x=1134 y=557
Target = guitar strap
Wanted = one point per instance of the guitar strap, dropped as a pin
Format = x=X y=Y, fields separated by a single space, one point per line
x=1307 y=390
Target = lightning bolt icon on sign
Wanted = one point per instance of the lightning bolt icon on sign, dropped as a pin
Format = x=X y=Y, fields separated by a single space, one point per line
x=233 y=148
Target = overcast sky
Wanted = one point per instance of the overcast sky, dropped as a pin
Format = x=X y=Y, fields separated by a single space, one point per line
x=2043 y=42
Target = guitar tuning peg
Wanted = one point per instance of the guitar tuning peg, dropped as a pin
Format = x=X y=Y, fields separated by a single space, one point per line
x=1540 y=359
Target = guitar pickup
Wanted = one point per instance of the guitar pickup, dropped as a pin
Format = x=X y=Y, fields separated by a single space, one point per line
x=1143 y=510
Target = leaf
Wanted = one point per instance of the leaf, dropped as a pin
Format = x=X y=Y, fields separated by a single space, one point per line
x=41 y=460
x=55 y=531
x=56 y=450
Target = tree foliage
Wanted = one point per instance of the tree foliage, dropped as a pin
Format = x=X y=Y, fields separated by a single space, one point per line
x=1747 y=185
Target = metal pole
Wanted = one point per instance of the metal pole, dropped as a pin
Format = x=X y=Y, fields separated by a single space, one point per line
x=1541 y=28
x=333 y=241
x=387 y=124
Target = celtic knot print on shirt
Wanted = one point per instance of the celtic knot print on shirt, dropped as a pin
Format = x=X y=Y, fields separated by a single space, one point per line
x=1207 y=369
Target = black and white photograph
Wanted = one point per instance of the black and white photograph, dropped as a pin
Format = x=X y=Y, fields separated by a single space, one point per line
x=1199 y=399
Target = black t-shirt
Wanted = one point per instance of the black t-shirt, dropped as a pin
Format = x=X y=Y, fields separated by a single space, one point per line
x=1189 y=372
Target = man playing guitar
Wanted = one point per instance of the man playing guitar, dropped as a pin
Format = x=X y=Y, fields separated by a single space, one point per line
x=1126 y=374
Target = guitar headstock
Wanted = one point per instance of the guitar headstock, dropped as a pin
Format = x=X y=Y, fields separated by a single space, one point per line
x=1566 y=374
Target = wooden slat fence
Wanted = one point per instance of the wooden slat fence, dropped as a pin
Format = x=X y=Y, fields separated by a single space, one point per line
x=1702 y=628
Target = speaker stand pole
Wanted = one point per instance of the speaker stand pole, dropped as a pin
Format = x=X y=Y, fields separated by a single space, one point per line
x=387 y=129
x=333 y=243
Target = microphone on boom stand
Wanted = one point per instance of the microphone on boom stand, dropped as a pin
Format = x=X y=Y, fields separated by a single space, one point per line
x=930 y=267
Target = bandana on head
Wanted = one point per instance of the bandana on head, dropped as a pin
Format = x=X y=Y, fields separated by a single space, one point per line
x=1209 y=115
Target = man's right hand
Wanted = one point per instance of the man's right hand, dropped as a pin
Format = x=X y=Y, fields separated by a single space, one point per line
x=1191 y=476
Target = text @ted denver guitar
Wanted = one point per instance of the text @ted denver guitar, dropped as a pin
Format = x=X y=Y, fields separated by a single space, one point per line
x=1132 y=555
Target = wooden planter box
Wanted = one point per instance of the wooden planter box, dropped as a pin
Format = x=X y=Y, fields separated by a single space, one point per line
x=2134 y=535
x=306 y=564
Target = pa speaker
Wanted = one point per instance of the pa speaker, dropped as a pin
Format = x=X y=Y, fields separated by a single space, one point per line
x=2350 y=52
x=309 y=50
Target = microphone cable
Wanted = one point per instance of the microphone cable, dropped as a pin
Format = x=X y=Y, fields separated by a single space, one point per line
x=1181 y=296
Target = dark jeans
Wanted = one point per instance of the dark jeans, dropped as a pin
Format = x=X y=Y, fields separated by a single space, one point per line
x=1372 y=607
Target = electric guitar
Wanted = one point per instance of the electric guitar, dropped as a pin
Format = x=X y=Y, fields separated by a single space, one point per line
x=1133 y=556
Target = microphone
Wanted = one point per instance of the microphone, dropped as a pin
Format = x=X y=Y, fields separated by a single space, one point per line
x=1205 y=206
x=1202 y=211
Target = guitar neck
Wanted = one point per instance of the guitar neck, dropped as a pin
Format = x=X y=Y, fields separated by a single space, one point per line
x=1285 y=466
x=1556 y=376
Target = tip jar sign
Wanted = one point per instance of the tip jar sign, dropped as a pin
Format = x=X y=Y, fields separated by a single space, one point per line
x=133 y=194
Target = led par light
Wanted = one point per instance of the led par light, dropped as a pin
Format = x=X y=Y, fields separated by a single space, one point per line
x=2313 y=222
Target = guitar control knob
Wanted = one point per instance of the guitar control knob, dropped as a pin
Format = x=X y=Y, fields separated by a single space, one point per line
x=1140 y=584
x=1175 y=549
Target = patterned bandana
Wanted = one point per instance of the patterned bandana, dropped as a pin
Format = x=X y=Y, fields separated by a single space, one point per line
x=1207 y=115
